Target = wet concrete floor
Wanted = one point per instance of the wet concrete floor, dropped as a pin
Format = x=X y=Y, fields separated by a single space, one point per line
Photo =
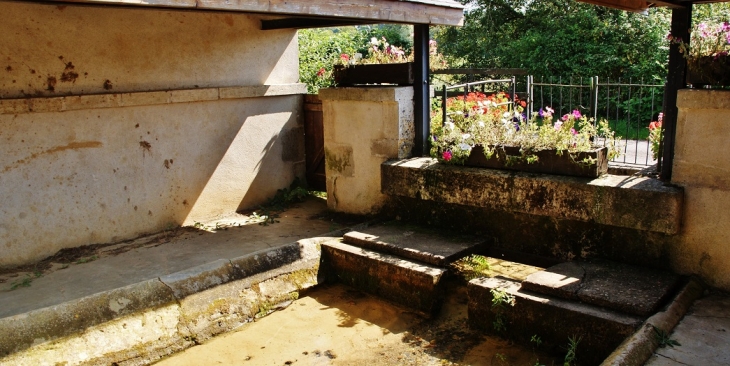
x=337 y=325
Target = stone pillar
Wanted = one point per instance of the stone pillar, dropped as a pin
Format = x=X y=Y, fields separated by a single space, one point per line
x=363 y=127
x=702 y=167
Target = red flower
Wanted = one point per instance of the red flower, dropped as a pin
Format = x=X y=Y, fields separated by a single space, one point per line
x=447 y=155
x=321 y=72
x=345 y=57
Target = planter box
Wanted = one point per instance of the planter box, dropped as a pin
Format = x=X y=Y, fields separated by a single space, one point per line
x=400 y=74
x=709 y=70
x=549 y=161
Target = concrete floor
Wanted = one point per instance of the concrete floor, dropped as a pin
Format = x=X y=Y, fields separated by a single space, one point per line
x=703 y=335
x=153 y=256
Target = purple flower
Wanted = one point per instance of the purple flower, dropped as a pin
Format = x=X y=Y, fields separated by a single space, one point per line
x=434 y=138
x=540 y=113
x=517 y=127
x=725 y=27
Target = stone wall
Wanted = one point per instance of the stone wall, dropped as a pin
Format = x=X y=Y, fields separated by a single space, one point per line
x=363 y=127
x=702 y=167
x=115 y=122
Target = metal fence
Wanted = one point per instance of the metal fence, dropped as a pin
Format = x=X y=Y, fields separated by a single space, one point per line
x=629 y=107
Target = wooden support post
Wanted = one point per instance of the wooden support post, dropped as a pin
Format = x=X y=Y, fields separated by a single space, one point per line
x=681 y=23
x=421 y=90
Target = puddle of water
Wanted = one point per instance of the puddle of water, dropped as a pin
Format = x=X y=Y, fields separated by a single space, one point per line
x=336 y=325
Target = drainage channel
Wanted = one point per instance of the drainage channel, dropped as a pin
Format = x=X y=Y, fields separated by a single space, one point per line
x=338 y=325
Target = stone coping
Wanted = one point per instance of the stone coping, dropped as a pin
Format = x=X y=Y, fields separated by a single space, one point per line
x=197 y=297
x=640 y=203
x=133 y=99
x=370 y=93
x=703 y=99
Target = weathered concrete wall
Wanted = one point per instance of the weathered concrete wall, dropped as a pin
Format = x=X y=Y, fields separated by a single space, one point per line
x=363 y=127
x=116 y=122
x=538 y=218
x=701 y=166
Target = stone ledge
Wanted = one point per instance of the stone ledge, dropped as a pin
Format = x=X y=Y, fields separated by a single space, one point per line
x=118 y=100
x=621 y=201
x=206 y=300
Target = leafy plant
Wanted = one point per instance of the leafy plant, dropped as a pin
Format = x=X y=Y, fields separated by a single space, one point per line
x=500 y=300
x=570 y=355
x=656 y=133
x=664 y=339
x=494 y=122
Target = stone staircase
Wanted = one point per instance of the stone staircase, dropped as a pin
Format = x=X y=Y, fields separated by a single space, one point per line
x=403 y=264
x=599 y=303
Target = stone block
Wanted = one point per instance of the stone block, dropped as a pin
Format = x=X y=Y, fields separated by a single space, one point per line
x=50 y=323
x=609 y=200
x=628 y=289
x=554 y=320
x=414 y=285
x=428 y=246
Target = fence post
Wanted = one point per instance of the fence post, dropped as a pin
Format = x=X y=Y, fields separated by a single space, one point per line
x=514 y=92
x=594 y=97
x=528 y=115
x=443 y=106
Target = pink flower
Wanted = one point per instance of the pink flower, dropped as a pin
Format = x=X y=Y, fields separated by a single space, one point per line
x=565 y=117
x=345 y=57
x=558 y=124
x=447 y=155
x=573 y=131
x=576 y=114
x=321 y=72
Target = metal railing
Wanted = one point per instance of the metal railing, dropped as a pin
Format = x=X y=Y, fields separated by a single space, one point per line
x=628 y=106
x=470 y=87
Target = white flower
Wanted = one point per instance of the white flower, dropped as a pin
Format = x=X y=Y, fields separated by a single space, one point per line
x=507 y=115
x=357 y=56
x=465 y=136
x=481 y=124
x=464 y=146
x=374 y=41
x=449 y=125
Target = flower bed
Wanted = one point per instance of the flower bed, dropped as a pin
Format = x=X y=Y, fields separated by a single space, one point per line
x=491 y=131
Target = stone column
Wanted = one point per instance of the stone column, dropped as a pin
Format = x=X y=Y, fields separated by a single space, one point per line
x=363 y=127
x=702 y=167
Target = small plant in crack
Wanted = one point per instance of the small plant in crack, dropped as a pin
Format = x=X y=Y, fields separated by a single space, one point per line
x=664 y=339
x=500 y=300
x=570 y=355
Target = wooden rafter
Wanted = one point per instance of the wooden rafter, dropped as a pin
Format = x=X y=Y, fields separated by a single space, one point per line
x=434 y=12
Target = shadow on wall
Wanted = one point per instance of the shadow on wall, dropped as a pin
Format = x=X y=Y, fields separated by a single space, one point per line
x=130 y=171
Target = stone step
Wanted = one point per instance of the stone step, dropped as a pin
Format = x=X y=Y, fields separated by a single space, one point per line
x=415 y=285
x=434 y=247
x=553 y=320
x=617 y=286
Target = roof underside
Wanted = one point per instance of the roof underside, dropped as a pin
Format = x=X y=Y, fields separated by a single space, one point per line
x=641 y=5
x=322 y=12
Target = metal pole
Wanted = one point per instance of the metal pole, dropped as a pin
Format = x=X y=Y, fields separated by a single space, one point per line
x=420 y=90
x=676 y=73
x=594 y=99
x=529 y=97
x=444 y=96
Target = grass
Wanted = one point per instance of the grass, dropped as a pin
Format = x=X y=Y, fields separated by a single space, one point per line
x=632 y=131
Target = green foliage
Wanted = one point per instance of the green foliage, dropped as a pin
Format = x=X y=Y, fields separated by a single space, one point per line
x=500 y=300
x=570 y=355
x=320 y=49
x=559 y=37
x=664 y=339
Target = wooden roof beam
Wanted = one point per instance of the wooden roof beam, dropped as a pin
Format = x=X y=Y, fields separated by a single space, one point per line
x=433 y=12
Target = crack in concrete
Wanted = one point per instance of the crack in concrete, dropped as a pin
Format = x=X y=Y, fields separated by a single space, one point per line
x=670 y=358
x=581 y=282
